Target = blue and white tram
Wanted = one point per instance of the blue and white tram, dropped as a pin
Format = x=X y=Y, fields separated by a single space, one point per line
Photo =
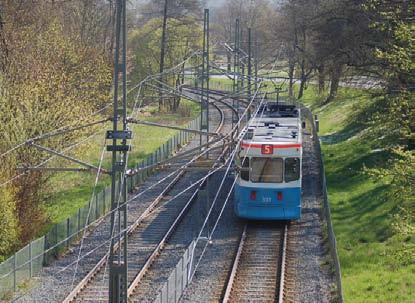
x=268 y=161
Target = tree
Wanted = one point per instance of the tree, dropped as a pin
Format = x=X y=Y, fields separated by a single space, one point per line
x=177 y=9
x=54 y=77
x=181 y=41
x=295 y=30
x=182 y=13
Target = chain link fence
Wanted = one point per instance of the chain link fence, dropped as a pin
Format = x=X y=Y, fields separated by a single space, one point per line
x=29 y=261
x=179 y=278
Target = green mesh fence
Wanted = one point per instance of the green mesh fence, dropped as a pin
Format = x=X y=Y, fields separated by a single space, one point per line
x=37 y=249
x=22 y=266
x=73 y=226
x=7 y=278
x=29 y=260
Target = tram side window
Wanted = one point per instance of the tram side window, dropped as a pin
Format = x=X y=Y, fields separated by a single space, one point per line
x=266 y=170
x=292 y=169
x=245 y=169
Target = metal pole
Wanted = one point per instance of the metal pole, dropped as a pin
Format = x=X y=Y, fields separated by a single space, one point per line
x=118 y=260
x=235 y=71
x=162 y=51
x=207 y=102
x=207 y=78
x=242 y=66
x=249 y=73
x=125 y=151
x=204 y=101
x=256 y=63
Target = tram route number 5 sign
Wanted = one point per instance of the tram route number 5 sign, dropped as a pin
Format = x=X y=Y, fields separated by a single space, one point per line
x=267 y=149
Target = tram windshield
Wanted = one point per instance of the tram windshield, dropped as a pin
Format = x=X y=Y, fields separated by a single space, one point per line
x=245 y=169
x=292 y=169
x=267 y=170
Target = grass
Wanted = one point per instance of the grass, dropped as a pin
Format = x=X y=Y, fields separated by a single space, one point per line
x=68 y=191
x=362 y=216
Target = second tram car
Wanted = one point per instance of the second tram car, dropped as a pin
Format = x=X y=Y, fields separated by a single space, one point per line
x=269 y=161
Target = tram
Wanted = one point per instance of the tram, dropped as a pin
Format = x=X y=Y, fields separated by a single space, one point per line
x=269 y=165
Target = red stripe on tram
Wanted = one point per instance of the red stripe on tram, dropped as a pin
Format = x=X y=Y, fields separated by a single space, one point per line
x=273 y=145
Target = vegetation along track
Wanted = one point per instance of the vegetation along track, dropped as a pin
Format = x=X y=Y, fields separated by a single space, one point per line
x=258 y=271
x=146 y=239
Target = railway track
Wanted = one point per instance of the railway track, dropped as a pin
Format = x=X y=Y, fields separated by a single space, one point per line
x=166 y=261
x=147 y=237
x=258 y=271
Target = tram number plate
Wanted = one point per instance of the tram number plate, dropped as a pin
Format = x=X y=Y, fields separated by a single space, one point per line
x=266 y=199
x=267 y=149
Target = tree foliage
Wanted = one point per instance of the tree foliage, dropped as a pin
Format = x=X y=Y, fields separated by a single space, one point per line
x=258 y=15
x=400 y=174
x=184 y=37
x=54 y=74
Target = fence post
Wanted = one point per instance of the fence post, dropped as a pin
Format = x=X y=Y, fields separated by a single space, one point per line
x=103 y=201
x=30 y=258
x=96 y=207
x=167 y=292
x=14 y=272
x=175 y=284
x=79 y=219
x=183 y=273
x=46 y=247
x=67 y=231
x=56 y=239
x=88 y=217
x=168 y=149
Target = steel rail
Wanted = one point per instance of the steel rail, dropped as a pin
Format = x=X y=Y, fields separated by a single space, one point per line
x=102 y=262
x=232 y=276
x=134 y=284
x=220 y=100
x=178 y=219
x=224 y=95
x=167 y=162
x=244 y=254
x=282 y=266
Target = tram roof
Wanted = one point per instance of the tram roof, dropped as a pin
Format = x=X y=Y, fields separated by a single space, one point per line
x=273 y=130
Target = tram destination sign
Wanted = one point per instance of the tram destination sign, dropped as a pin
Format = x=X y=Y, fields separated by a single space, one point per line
x=267 y=149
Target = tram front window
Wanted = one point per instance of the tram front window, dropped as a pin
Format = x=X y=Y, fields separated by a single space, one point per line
x=292 y=169
x=245 y=169
x=267 y=170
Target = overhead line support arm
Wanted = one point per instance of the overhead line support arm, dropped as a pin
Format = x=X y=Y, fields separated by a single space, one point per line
x=59 y=154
